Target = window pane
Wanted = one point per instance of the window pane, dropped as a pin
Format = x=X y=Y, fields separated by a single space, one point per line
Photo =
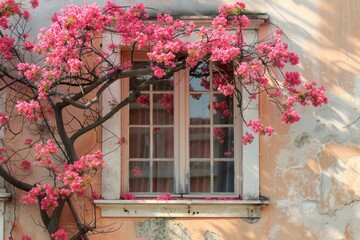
x=222 y=74
x=139 y=142
x=140 y=113
x=223 y=177
x=164 y=85
x=199 y=109
x=135 y=82
x=200 y=177
x=163 y=176
x=200 y=78
x=199 y=142
x=223 y=109
x=139 y=176
x=163 y=142
x=223 y=142
x=163 y=109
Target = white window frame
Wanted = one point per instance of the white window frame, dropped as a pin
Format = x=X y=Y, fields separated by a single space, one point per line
x=181 y=137
x=112 y=176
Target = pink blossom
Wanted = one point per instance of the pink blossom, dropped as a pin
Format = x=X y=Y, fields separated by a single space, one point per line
x=29 y=109
x=60 y=235
x=158 y=72
x=316 y=95
x=6 y=45
x=167 y=101
x=25 y=164
x=290 y=116
x=222 y=108
x=227 y=90
x=3 y=158
x=122 y=140
x=167 y=196
x=128 y=196
x=143 y=100
x=3 y=118
x=248 y=138
x=26 y=15
x=25 y=237
x=28 y=46
x=34 y=3
x=28 y=141
x=137 y=171
x=219 y=134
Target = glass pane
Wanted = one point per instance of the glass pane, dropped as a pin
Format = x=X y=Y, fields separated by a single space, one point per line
x=222 y=74
x=135 y=82
x=164 y=85
x=163 y=176
x=163 y=142
x=223 y=142
x=200 y=177
x=199 y=142
x=139 y=112
x=223 y=109
x=139 y=176
x=200 y=78
x=199 y=110
x=164 y=109
x=139 y=142
x=223 y=177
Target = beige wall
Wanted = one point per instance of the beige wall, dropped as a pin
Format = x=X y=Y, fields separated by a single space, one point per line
x=311 y=170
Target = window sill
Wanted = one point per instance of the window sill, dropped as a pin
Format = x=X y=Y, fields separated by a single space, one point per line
x=181 y=208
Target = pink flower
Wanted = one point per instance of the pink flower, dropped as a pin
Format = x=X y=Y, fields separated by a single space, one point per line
x=28 y=46
x=28 y=141
x=34 y=3
x=227 y=90
x=6 y=45
x=158 y=72
x=26 y=15
x=248 y=138
x=128 y=196
x=136 y=171
x=25 y=164
x=290 y=116
x=167 y=101
x=29 y=109
x=167 y=196
x=143 y=100
x=3 y=119
x=59 y=235
x=25 y=237
x=292 y=78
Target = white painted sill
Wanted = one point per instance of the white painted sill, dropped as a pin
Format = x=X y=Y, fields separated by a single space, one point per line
x=181 y=208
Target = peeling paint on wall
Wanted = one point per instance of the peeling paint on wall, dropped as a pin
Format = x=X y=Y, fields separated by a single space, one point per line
x=162 y=228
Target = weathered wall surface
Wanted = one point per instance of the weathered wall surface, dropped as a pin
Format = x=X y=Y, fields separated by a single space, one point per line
x=311 y=170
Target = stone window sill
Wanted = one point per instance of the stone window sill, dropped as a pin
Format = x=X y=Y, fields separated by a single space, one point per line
x=181 y=208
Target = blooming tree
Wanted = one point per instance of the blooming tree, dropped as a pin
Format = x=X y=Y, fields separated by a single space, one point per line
x=53 y=88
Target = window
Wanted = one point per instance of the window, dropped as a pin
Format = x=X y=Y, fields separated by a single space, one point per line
x=183 y=135
x=173 y=158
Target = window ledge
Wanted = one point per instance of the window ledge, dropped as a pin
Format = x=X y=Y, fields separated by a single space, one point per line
x=181 y=208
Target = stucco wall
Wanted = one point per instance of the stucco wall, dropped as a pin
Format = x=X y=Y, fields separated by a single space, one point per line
x=311 y=170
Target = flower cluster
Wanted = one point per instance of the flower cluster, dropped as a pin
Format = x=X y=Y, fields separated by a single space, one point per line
x=29 y=109
x=167 y=196
x=75 y=177
x=167 y=101
x=43 y=154
x=60 y=234
x=257 y=127
x=3 y=119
